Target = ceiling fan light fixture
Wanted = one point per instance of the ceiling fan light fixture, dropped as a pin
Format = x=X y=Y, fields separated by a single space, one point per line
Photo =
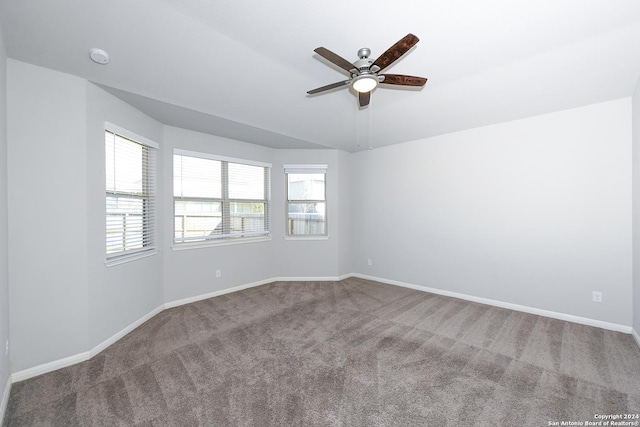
x=364 y=83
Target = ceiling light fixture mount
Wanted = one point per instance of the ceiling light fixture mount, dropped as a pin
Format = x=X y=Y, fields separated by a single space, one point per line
x=99 y=56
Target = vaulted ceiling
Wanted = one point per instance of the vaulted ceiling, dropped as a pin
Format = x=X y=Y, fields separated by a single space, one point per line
x=241 y=69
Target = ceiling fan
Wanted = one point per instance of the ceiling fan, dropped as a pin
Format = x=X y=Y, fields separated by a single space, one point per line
x=364 y=73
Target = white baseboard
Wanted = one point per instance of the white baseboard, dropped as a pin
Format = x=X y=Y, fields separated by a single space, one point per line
x=5 y=399
x=81 y=357
x=526 y=309
x=189 y=300
x=106 y=343
x=636 y=336
x=308 y=279
x=78 y=358
x=49 y=367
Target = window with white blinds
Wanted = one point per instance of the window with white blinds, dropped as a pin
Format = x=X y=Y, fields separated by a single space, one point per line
x=130 y=163
x=219 y=198
x=306 y=200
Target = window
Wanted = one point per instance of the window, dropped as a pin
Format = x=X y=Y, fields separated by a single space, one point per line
x=219 y=199
x=130 y=193
x=306 y=200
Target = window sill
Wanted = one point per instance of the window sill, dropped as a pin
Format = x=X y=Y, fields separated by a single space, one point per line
x=123 y=259
x=213 y=244
x=306 y=237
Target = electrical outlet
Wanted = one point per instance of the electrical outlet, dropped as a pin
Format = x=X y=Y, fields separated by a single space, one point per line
x=218 y=273
x=597 y=296
x=369 y=262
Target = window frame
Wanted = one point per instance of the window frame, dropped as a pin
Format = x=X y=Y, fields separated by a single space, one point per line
x=226 y=238
x=305 y=169
x=149 y=197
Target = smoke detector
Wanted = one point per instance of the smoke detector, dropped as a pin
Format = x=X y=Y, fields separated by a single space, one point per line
x=99 y=56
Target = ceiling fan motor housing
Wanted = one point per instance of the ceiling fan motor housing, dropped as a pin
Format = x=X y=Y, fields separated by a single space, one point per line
x=363 y=65
x=364 y=62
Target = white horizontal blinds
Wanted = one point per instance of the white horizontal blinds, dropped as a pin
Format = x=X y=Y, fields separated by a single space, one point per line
x=248 y=194
x=197 y=177
x=130 y=195
x=219 y=198
x=197 y=191
x=306 y=200
x=305 y=169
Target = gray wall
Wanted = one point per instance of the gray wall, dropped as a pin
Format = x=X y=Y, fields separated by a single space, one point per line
x=534 y=212
x=47 y=168
x=346 y=214
x=64 y=300
x=120 y=294
x=636 y=209
x=4 y=284
x=189 y=273
x=307 y=258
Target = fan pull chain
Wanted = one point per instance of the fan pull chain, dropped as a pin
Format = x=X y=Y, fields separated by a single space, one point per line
x=370 y=108
x=364 y=130
x=357 y=123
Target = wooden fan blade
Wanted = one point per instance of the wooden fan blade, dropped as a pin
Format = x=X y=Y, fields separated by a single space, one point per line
x=335 y=58
x=328 y=87
x=363 y=98
x=399 y=79
x=396 y=51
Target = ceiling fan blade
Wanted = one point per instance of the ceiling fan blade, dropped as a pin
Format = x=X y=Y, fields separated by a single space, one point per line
x=399 y=79
x=396 y=51
x=328 y=87
x=363 y=98
x=335 y=58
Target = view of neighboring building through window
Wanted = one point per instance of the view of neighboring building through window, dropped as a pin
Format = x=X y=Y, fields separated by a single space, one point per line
x=130 y=193
x=306 y=200
x=218 y=198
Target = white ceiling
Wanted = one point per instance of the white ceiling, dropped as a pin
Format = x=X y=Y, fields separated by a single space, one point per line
x=242 y=68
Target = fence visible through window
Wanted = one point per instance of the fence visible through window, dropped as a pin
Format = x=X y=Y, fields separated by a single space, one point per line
x=306 y=200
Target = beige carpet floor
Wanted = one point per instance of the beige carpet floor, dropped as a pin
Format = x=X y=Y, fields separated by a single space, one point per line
x=349 y=353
